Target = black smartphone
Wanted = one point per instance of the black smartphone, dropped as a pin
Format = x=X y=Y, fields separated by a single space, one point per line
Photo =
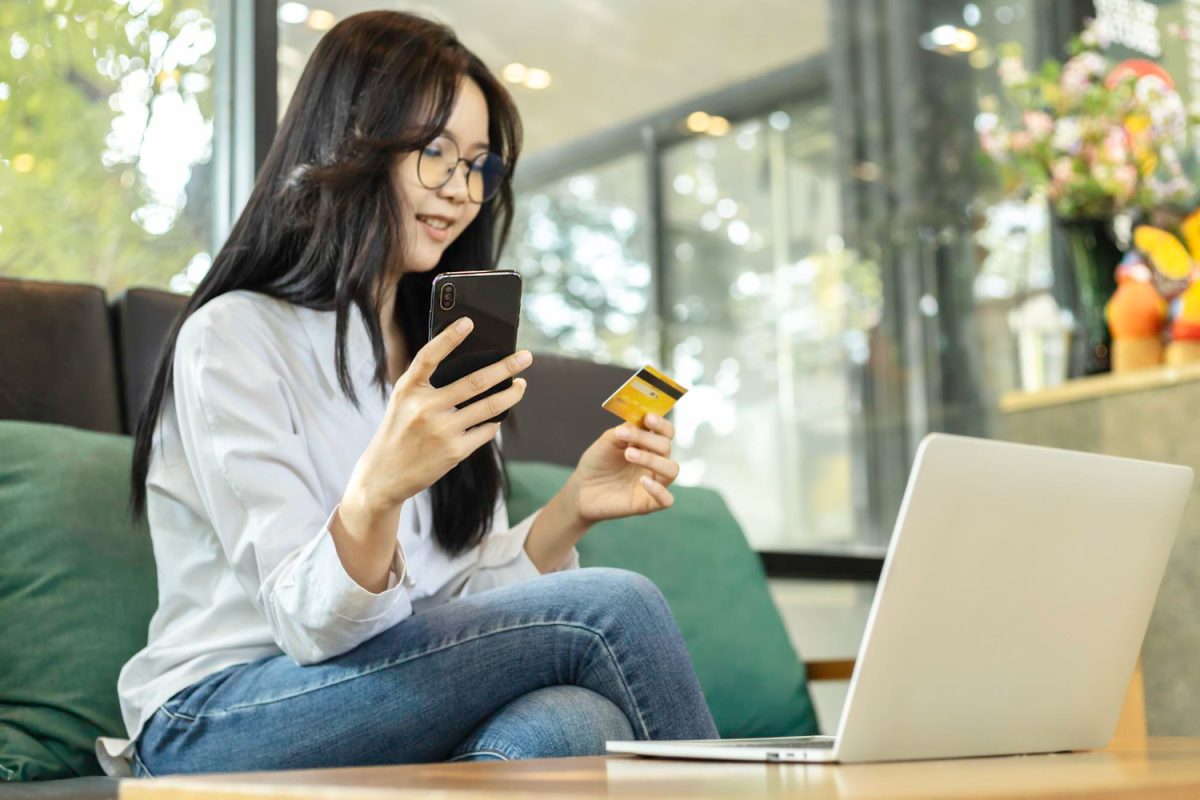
x=492 y=299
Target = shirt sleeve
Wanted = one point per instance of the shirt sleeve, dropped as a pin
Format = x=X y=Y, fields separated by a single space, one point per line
x=260 y=491
x=502 y=557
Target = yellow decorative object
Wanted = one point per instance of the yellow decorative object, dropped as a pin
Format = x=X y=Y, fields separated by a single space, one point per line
x=1190 y=227
x=1166 y=253
x=1185 y=330
x=1175 y=272
x=1174 y=264
x=1187 y=324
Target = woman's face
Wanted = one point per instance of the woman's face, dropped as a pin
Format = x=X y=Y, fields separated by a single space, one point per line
x=434 y=218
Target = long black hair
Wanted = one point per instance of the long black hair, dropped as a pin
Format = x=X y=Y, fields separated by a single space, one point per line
x=323 y=224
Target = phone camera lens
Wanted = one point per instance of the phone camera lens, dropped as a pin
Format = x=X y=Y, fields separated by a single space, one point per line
x=446 y=297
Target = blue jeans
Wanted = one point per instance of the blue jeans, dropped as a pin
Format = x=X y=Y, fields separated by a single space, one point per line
x=551 y=667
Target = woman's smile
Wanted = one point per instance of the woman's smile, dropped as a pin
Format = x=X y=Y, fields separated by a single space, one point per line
x=435 y=226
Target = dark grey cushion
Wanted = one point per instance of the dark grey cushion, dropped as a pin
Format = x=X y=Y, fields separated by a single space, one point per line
x=57 y=363
x=143 y=319
x=560 y=414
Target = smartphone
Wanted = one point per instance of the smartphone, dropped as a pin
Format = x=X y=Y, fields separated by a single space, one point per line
x=492 y=299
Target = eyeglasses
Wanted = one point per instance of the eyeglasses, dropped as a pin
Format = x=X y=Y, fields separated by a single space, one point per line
x=438 y=160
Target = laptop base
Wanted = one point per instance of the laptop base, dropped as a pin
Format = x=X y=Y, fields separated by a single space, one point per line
x=789 y=749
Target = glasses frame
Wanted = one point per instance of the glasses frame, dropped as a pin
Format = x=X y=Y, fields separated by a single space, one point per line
x=454 y=170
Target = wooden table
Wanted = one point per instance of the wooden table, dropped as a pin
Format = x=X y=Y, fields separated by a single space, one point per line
x=1167 y=768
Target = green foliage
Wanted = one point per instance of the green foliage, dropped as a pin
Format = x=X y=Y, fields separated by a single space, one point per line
x=69 y=188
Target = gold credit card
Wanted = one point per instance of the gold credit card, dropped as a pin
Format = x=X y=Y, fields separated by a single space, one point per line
x=647 y=392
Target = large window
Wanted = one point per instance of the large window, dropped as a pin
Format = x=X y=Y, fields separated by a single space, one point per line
x=582 y=246
x=768 y=320
x=793 y=223
x=106 y=140
x=830 y=276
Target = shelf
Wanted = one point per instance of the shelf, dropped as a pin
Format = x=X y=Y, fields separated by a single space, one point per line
x=1097 y=386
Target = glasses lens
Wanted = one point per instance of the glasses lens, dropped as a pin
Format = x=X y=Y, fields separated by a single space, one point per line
x=485 y=178
x=436 y=162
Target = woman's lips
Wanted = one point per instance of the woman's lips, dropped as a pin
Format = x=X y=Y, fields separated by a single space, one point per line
x=437 y=234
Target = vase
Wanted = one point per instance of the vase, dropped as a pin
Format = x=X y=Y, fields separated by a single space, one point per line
x=1093 y=256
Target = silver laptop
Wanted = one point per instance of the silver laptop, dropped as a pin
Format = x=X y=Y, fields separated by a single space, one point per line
x=1013 y=602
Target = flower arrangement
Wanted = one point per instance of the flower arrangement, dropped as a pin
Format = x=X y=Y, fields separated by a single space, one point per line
x=1095 y=138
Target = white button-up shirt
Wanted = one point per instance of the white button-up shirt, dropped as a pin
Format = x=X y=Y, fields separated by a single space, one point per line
x=253 y=451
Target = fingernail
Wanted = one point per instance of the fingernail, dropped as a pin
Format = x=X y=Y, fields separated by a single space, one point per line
x=646 y=481
x=634 y=455
x=520 y=382
x=651 y=419
x=524 y=358
x=463 y=325
x=623 y=433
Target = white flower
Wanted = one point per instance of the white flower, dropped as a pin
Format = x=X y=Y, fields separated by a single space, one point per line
x=1082 y=71
x=1068 y=135
x=1039 y=124
x=1096 y=35
x=1168 y=158
x=1168 y=116
x=1171 y=191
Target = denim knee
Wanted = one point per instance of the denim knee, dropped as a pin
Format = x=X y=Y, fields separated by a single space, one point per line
x=622 y=591
x=555 y=722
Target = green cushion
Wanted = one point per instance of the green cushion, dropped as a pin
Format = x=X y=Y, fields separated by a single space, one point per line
x=698 y=557
x=77 y=590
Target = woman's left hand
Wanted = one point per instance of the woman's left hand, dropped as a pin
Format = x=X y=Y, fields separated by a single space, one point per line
x=626 y=472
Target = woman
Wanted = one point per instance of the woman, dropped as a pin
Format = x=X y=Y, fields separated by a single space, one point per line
x=338 y=582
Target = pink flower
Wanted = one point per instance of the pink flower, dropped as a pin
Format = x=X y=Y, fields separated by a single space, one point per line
x=1126 y=177
x=1012 y=71
x=1062 y=170
x=1082 y=71
x=1114 y=148
x=1039 y=124
x=995 y=143
x=1020 y=141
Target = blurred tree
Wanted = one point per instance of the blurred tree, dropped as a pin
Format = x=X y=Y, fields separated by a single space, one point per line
x=105 y=140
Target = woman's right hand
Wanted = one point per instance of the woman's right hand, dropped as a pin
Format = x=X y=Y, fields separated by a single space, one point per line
x=423 y=434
